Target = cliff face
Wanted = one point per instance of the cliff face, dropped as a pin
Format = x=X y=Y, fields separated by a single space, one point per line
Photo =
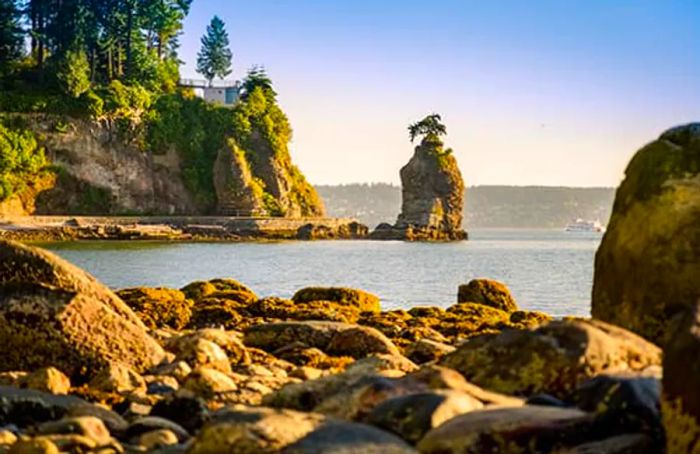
x=96 y=171
x=432 y=192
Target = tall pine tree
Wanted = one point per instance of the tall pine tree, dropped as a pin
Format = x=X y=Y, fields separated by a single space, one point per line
x=214 y=58
x=10 y=34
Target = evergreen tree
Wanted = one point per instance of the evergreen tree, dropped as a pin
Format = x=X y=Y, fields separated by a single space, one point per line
x=10 y=34
x=257 y=77
x=214 y=58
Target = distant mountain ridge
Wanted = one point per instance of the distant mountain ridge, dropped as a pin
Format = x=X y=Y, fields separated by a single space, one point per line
x=486 y=206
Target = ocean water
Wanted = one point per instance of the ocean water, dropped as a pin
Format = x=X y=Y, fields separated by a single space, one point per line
x=547 y=270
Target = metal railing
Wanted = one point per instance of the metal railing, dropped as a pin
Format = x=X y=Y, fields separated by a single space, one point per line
x=201 y=83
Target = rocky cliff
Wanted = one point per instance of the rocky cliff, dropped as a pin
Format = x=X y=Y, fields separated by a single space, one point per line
x=182 y=157
x=432 y=193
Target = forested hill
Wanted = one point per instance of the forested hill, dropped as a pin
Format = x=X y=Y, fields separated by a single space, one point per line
x=486 y=206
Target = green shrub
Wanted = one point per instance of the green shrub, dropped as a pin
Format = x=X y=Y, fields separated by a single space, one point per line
x=21 y=160
x=73 y=73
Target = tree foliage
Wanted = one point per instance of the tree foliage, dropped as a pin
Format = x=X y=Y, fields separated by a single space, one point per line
x=257 y=78
x=74 y=73
x=21 y=160
x=214 y=58
x=10 y=34
x=430 y=127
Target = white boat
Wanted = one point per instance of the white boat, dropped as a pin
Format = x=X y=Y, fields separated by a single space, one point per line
x=582 y=225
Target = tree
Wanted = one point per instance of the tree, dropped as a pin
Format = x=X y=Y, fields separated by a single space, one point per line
x=257 y=77
x=431 y=127
x=74 y=73
x=10 y=34
x=214 y=58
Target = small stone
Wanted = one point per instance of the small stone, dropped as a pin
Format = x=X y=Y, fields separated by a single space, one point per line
x=118 y=378
x=306 y=373
x=203 y=353
x=161 y=384
x=157 y=439
x=48 y=379
x=209 y=383
x=7 y=438
x=34 y=446
x=87 y=426
x=179 y=370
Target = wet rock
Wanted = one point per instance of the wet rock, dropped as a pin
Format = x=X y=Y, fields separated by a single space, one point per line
x=425 y=350
x=189 y=412
x=117 y=378
x=333 y=338
x=413 y=415
x=254 y=430
x=158 y=307
x=680 y=401
x=87 y=426
x=521 y=429
x=487 y=292
x=621 y=444
x=48 y=379
x=554 y=358
x=150 y=423
x=349 y=438
x=648 y=263
x=54 y=314
x=359 y=299
x=623 y=404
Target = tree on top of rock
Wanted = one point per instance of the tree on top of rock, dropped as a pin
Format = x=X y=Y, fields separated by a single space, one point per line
x=430 y=127
x=214 y=58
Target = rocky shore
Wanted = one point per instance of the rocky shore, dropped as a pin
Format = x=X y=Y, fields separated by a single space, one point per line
x=177 y=228
x=213 y=367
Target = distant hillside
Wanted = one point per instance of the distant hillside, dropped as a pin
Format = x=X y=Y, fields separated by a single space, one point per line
x=486 y=206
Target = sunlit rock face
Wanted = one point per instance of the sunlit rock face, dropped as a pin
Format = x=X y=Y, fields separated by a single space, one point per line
x=647 y=268
x=432 y=197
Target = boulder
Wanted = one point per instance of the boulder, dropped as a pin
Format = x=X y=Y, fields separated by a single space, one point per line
x=158 y=307
x=487 y=292
x=647 y=266
x=521 y=429
x=209 y=384
x=189 y=412
x=117 y=378
x=426 y=350
x=554 y=358
x=334 y=338
x=349 y=438
x=364 y=301
x=229 y=341
x=620 y=444
x=87 y=426
x=413 y=415
x=253 y=430
x=283 y=309
x=54 y=314
x=680 y=400
x=48 y=379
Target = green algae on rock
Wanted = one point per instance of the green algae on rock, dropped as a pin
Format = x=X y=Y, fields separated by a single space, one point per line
x=647 y=266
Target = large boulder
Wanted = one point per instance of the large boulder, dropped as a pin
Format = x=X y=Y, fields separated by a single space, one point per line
x=54 y=314
x=554 y=358
x=521 y=429
x=336 y=437
x=432 y=192
x=158 y=307
x=487 y=292
x=334 y=338
x=680 y=401
x=647 y=266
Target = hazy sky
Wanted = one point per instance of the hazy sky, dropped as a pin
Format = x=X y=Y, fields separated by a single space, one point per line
x=532 y=92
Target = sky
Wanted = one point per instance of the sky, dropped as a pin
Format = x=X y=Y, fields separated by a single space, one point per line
x=532 y=92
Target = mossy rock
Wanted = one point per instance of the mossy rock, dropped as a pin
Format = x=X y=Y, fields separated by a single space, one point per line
x=283 y=309
x=216 y=313
x=467 y=319
x=198 y=290
x=647 y=266
x=529 y=319
x=554 y=358
x=302 y=355
x=391 y=323
x=158 y=307
x=220 y=288
x=360 y=299
x=487 y=292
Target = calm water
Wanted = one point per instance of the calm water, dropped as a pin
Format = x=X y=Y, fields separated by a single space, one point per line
x=546 y=270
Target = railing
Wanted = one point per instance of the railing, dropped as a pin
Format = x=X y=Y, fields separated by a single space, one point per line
x=201 y=83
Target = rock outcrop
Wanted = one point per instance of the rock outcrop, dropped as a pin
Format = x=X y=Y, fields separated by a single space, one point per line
x=432 y=193
x=54 y=314
x=647 y=266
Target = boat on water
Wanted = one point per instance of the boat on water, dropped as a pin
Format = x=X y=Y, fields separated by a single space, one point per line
x=583 y=225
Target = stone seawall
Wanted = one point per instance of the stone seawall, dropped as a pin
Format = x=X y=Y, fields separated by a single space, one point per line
x=193 y=228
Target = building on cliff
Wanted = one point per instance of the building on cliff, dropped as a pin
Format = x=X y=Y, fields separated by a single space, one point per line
x=225 y=92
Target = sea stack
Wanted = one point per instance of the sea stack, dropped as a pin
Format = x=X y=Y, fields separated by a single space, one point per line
x=432 y=190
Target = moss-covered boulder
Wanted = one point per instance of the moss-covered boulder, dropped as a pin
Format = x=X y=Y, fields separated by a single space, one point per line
x=284 y=309
x=487 y=292
x=219 y=288
x=647 y=266
x=54 y=314
x=680 y=400
x=554 y=358
x=360 y=299
x=216 y=313
x=158 y=307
